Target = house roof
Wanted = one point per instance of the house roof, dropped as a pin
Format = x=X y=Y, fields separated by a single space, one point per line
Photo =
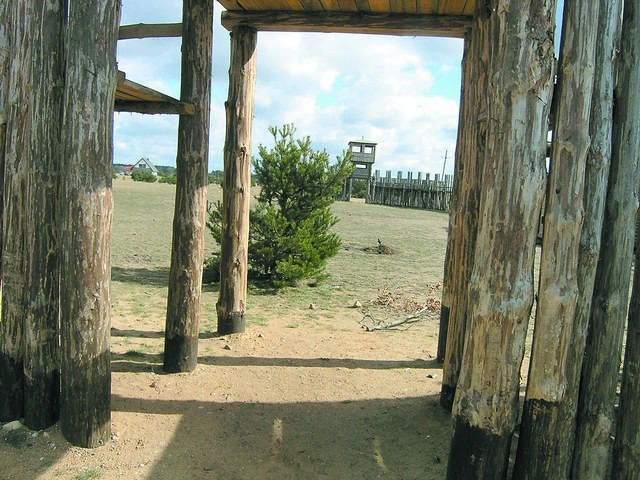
x=145 y=161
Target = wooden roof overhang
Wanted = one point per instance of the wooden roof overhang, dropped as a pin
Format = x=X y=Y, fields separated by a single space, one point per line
x=133 y=97
x=437 y=18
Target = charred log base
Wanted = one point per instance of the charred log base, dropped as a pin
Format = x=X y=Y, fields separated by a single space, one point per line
x=42 y=400
x=233 y=322
x=11 y=389
x=180 y=354
x=477 y=454
x=538 y=453
x=442 y=333
x=447 y=392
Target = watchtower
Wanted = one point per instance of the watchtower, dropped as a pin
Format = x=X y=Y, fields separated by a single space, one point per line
x=363 y=156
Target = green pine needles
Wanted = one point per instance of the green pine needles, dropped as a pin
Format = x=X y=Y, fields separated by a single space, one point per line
x=290 y=237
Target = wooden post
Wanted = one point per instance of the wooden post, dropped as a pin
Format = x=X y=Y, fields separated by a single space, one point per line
x=463 y=219
x=85 y=221
x=32 y=165
x=626 y=451
x=519 y=37
x=596 y=414
x=187 y=252
x=237 y=182
x=454 y=212
x=11 y=332
x=548 y=420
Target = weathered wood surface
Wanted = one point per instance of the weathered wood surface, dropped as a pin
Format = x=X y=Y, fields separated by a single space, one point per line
x=85 y=221
x=548 y=419
x=232 y=300
x=626 y=451
x=32 y=167
x=596 y=414
x=11 y=331
x=411 y=193
x=187 y=252
x=423 y=7
x=360 y=22
x=149 y=30
x=519 y=37
x=155 y=108
x=463 y=219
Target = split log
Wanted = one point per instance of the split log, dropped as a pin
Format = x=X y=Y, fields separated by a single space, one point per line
x=232 y=301
x=189 y=217
x=85 y=221
x=548 y=419
x=519 y=38
x=463 y=220
x=596 y=414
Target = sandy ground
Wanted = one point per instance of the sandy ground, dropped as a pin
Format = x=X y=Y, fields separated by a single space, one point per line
x=278 y=402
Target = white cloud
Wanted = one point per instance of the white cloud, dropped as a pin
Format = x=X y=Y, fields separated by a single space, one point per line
x=401 y=92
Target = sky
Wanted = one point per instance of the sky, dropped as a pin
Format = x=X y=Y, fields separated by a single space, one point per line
x=400 y=92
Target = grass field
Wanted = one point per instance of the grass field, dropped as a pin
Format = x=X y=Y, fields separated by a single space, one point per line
x=141 y=253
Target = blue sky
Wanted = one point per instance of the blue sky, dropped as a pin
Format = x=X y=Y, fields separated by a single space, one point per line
x=401 y=92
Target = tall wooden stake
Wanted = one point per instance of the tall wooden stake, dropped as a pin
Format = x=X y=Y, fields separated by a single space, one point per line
x=548 y=420
x=596 y=414
x=187 y=252
x=454 y=206
x=519 y=37
x=86 y=212
x=237 y=182
x=463 y=219
x=11 y=351
x=32 y=165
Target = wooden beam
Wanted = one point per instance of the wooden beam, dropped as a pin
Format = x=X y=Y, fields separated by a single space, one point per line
x=154 y=108
x=232 y=299
x=356 y=22
x=149 y=30
x=189 y=226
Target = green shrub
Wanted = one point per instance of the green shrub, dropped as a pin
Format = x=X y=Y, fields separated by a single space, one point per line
x=290 y=236
x=143 y=176
x=170 y=179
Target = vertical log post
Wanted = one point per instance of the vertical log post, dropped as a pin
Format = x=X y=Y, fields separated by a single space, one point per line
x=519 y=36
x=187 y=251
x=548 y=420
x=32 y=161
x=626 y=451
x=86 y=210
x=454 y=212
x=463 y=224
x=11 y=376
x=596 y=414
x=232 y=301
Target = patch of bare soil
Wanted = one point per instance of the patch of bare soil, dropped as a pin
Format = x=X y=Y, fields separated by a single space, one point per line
x=282 y=401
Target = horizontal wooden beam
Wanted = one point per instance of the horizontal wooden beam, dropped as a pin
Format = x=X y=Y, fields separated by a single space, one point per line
x=154 y=108
x=346 y=22
x=147 y=30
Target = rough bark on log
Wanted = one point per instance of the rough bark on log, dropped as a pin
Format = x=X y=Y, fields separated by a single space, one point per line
x=548 y=420
x=463 y=222
x=32 y=166
x=231 y=304
x=11 y=376
x=519 y=36
x=596 y=414
x=599 y=376
x=86 y=213
x=187 y=252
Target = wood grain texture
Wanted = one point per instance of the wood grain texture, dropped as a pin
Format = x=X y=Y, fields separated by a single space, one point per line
x=231 y=306
x=189 y=227
x=85 y=230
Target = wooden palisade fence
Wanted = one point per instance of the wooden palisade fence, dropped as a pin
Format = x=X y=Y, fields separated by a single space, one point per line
x=57 y=136
x=411 y=192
